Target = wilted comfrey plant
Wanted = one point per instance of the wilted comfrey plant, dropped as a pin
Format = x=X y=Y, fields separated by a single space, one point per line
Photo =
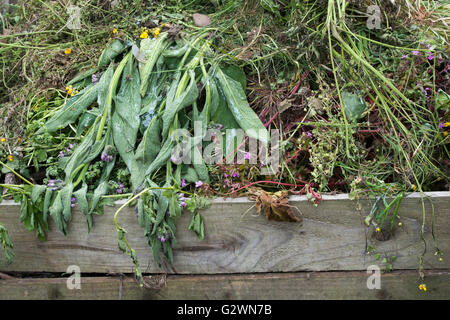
x=156 y=81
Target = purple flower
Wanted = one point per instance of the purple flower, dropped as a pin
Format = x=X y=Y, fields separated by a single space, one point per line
x=198 y=184
x=430 y=56
x=61 y=154
x=405 y=56
x=415 y=52
x=173 y=159
x=73 y=200
x=234 y=174
x=120 y=189
x=247 y=156
x=309 y=134
x=183 y=183
x=54 y=183
x=94 y=78
x=72 y=205
x=441 y=125
x=70 y=145
x=106 y=158
x=225 y=175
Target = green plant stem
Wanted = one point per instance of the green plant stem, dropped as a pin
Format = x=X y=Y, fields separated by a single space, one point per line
x=17 y=174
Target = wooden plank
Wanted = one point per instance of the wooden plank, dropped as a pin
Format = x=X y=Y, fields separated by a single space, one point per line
x=331 y=238
x=282 y=286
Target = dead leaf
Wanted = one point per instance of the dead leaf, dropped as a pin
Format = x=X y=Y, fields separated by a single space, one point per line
x=284 y=105
x=201 y=20
x=274 y=205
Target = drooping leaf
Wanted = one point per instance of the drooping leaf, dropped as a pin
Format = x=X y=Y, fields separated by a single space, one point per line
x=37 y=191
x=176 y=103
x=47 y=202
x=197 y=225
x=162 y=157
x=66 y=196
x=103 y=87
x=239 y=107
x=146 y=152
x=125 y=119
x=56 y=212
x=115 y=48
x=151 y=49
x=103 y=187
x=71 y=109
x=80 y=196
x=235 y=73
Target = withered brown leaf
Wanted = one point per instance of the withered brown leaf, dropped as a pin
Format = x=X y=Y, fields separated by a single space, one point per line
x=274 y=205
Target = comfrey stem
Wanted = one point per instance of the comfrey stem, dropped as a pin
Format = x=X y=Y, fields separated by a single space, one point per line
x=133 y=198
x=111 y=91
x=12 y=170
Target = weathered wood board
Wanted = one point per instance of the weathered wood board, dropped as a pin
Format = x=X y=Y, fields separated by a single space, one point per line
x=280 y=286
x=330 y=238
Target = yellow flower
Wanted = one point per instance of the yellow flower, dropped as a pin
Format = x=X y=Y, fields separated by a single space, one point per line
x=68 y=51
x=69 y=89
x=440 y=259
x=445 y=133
x=144 y=35
x=2 y=139
x=114 y=30
x=10 y=158
x=378 y=229
x=423 y=287
x=414 y=187
x=400 y=224
x=19 y=140
x=156 y=32
x=447 y=124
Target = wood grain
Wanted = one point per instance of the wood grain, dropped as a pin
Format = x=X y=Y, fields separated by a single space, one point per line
x=330 y=238
x=284 y=286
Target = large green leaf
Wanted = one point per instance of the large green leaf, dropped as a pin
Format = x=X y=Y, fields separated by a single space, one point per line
x=146 y=152
x=176 y=103
x=103 y=86
x=239 y=107
x=37 y=191
x=66 y=196
x=125 y=119
x=71 y=110
x=56 y=212
x=197 y=225
x=150 y=49
x=80 y=196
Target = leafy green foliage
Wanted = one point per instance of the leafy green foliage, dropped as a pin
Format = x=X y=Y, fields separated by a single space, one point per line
x=353 y=105
x=6 y=244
